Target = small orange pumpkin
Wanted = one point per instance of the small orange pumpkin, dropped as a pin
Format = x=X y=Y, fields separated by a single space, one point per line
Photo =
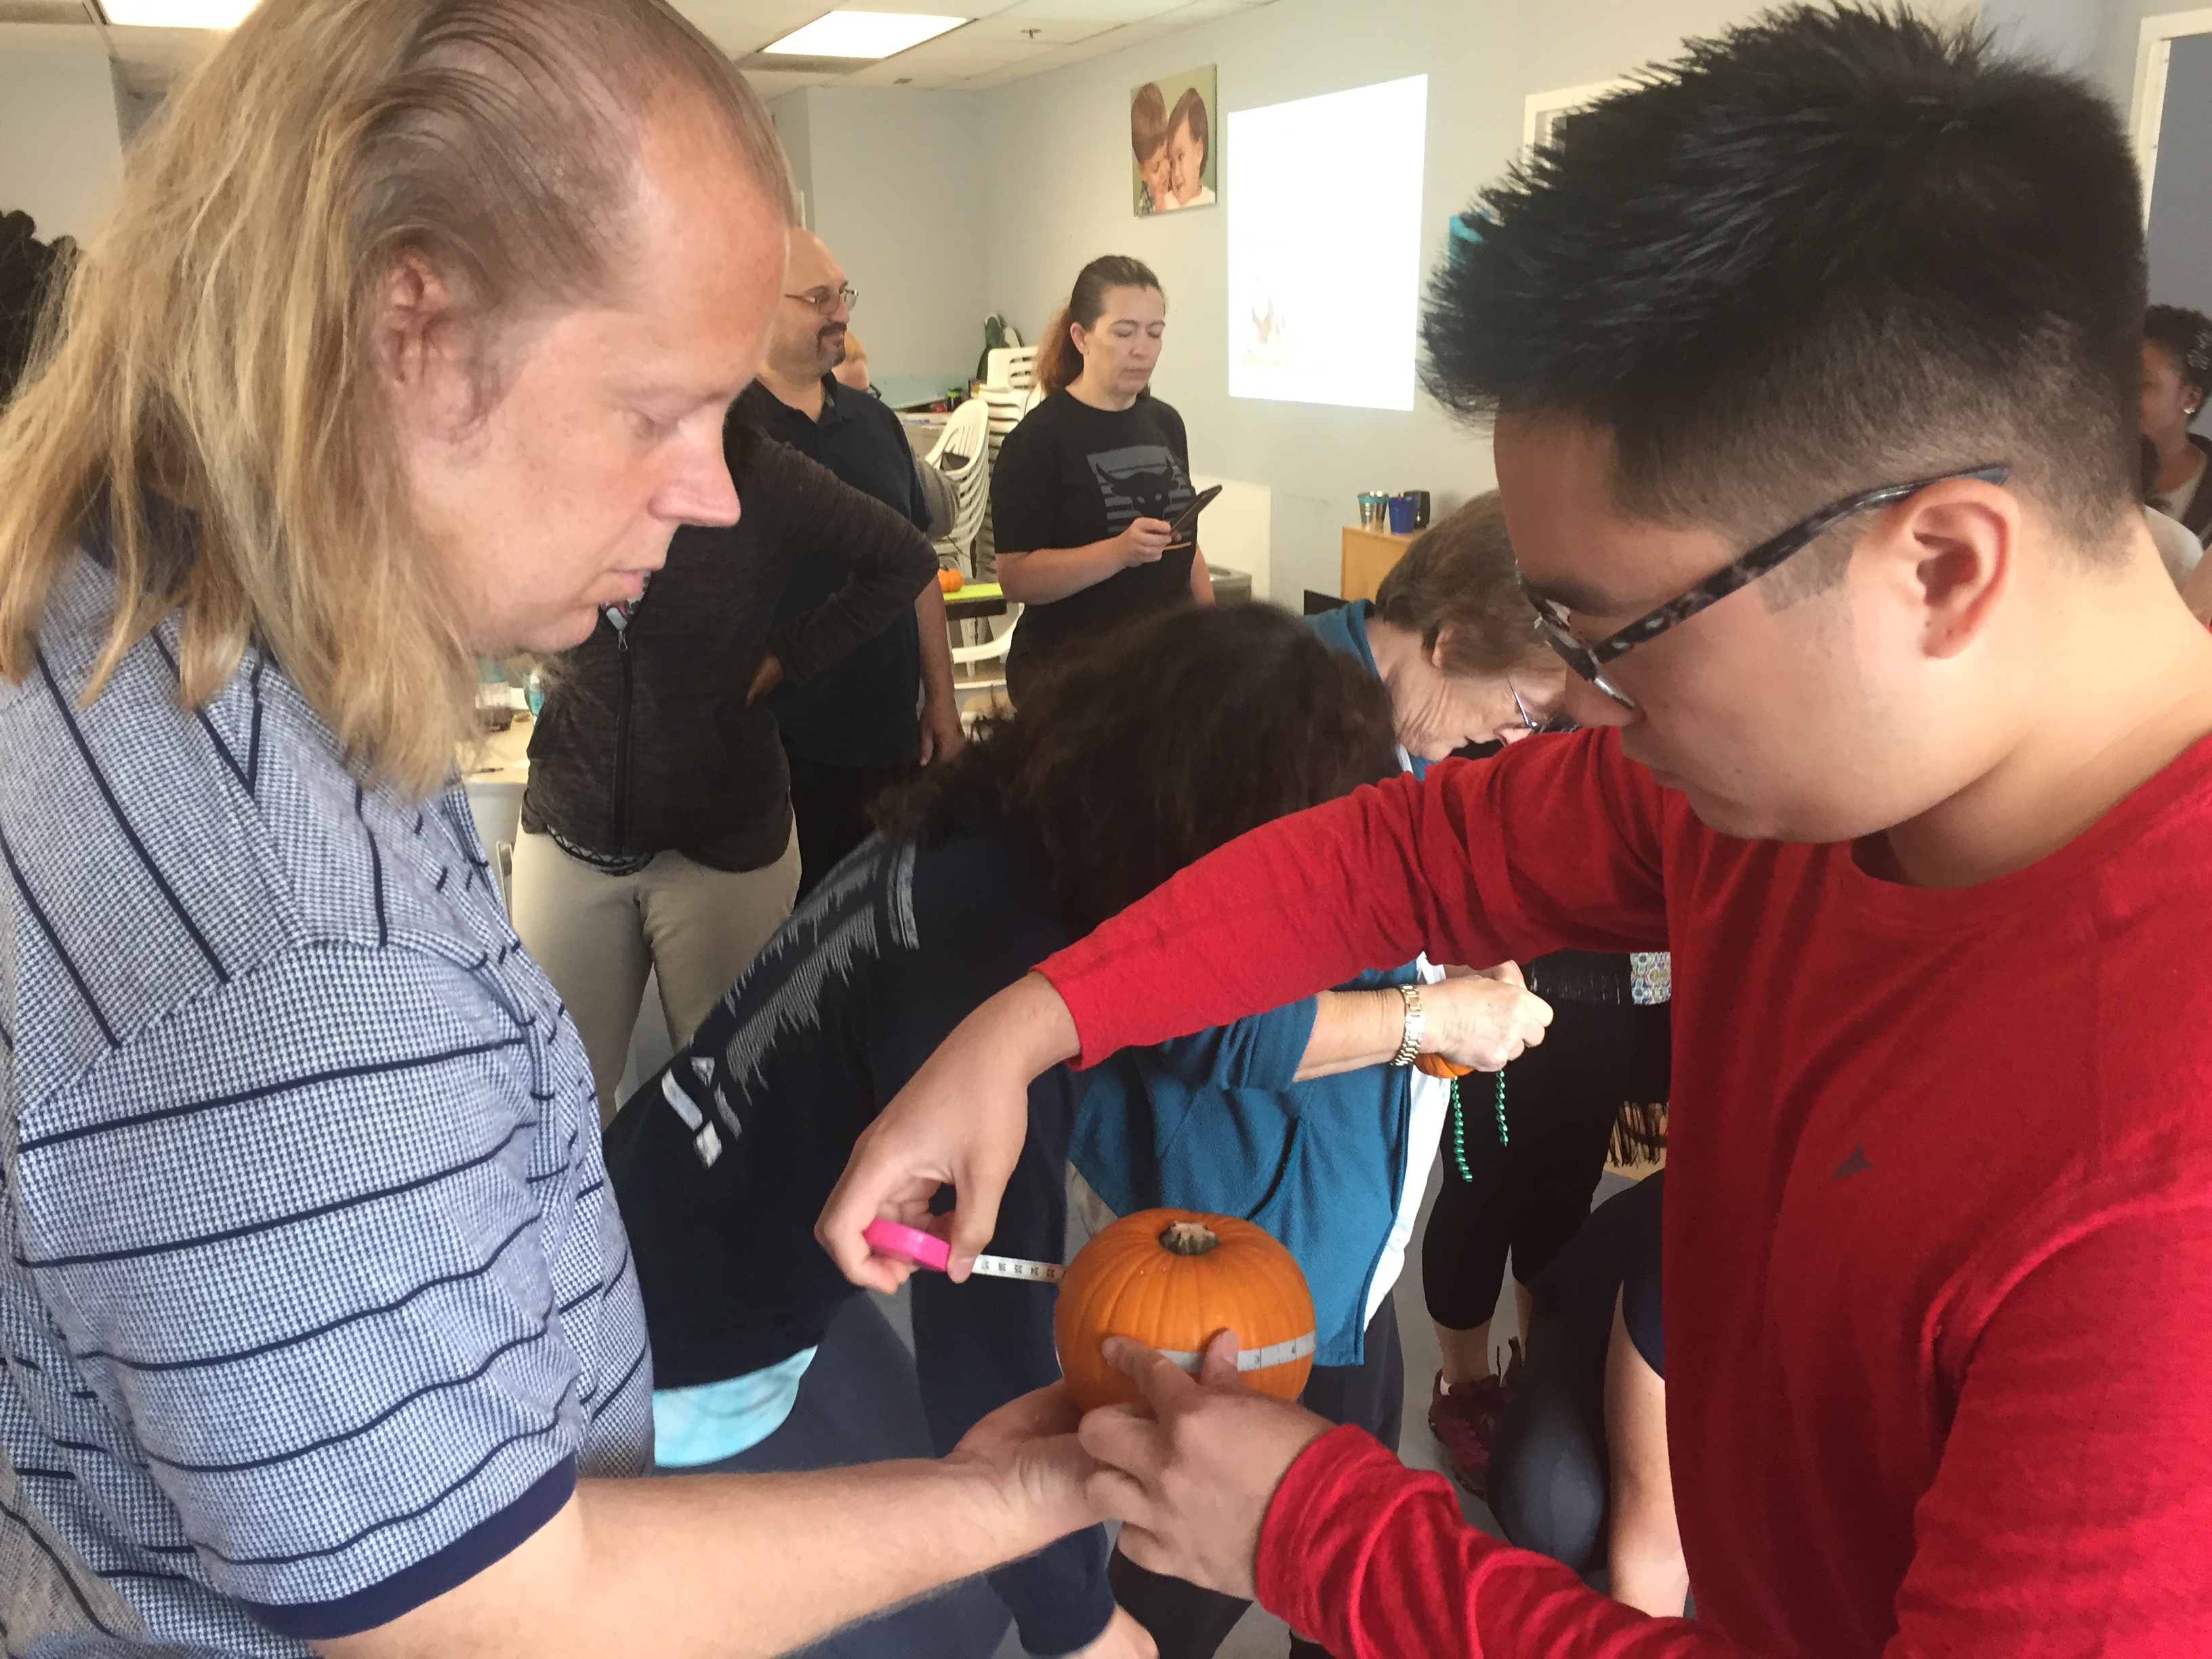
x=1438 y=1066
x=950 y=580
x=1172 y=1279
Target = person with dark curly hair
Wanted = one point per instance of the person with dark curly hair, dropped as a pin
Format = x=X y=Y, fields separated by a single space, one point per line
x=27 y=270
x=1822 y=455
x=1094 y=791
x=2177 y=373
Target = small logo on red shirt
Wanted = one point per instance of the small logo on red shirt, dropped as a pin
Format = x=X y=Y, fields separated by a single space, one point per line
x=1853 y=1164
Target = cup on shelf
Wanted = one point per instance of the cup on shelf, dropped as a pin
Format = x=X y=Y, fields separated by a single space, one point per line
x=1401 y=515
x=1374 y=510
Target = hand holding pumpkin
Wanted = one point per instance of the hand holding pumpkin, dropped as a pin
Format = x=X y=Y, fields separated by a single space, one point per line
x=1190 y=1473
x=1028 y=1450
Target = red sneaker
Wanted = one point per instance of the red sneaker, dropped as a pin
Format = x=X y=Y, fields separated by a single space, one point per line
x=1467 y=1421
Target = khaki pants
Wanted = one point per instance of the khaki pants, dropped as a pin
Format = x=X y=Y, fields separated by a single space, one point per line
x=597 y=936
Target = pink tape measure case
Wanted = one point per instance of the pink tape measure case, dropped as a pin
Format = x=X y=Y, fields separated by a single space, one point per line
x=928 y=1250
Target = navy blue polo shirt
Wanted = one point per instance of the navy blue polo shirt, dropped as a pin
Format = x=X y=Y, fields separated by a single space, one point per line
x=860 y=711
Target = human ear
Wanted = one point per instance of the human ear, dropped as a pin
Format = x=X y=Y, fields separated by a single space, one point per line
x=1439 y=654
x=415 y=343
x=1949 y=552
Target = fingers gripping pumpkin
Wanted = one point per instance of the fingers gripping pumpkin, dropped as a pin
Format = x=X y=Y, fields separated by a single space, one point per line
x=1172 y=1279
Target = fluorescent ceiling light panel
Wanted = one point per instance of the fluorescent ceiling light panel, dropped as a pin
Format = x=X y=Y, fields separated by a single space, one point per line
x=177 y=14
x=862 y=34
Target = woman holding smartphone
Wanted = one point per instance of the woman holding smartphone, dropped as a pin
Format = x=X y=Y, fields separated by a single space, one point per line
x=1089 y=488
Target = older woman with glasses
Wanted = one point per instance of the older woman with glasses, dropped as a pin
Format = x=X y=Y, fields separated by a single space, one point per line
x=1451 y=636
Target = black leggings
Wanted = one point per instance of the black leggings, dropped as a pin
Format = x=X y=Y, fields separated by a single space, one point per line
x=1549 y=1479
x=1529 y=1195
x=1549 y=1475
x=1189 y=1622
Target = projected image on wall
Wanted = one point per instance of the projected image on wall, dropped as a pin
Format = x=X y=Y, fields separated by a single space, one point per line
x=1325 y=246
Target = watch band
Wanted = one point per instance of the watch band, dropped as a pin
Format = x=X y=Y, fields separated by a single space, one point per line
x=1409 y=1045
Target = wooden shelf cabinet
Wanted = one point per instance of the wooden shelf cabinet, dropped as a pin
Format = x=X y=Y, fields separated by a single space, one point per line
x=1367 y=557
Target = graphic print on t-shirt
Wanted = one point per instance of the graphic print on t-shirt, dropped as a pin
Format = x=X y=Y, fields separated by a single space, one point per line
x=1144 y=481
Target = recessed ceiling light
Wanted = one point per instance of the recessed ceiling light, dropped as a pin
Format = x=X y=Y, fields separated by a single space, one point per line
x=862 y=34
x=177 y=14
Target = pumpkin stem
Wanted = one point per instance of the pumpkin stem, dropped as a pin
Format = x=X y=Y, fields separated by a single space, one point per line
x=1189 y=1238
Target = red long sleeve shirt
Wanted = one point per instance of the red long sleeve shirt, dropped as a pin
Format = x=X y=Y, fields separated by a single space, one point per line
x=1939 y=1211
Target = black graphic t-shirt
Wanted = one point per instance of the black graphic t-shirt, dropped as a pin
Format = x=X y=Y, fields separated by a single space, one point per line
x=1070 y=475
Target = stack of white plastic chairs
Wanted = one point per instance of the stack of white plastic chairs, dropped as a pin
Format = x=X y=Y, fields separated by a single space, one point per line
x=963 y=454
x=1009 y=393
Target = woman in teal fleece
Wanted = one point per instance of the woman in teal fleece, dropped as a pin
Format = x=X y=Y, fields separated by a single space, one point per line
x=1335 y=1166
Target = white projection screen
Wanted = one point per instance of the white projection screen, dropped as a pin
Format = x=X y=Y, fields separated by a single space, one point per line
x=1324 y=199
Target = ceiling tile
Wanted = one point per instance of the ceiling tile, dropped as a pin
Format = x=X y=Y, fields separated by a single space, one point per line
x=1129 y=34
x=966 y=49
x=944 y=71
x=771 y=85
x=1112 y=11
x=928 y=8
x=1039 y=31
x=1200 y=11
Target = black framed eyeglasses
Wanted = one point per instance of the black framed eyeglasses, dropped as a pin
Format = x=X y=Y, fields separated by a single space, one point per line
x=1588 y=660
x=824 y=300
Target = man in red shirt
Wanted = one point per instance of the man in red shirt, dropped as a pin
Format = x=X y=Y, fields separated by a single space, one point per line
x=1926 y=819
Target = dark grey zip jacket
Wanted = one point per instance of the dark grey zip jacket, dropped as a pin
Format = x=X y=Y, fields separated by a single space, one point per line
x=646 y=744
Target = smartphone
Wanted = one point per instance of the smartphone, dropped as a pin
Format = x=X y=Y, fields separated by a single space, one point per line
x=1186 y=521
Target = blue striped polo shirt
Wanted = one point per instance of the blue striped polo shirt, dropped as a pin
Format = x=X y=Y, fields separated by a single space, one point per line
x=313 y=1300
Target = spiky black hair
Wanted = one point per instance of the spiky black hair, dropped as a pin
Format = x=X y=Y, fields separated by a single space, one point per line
x=1827 y=250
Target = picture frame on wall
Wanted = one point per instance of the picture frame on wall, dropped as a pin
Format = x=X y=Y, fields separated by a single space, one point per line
x=1175 y=137
x=1542 y=111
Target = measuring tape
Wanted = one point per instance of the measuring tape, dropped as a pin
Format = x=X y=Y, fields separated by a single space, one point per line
x=1248 y=1359
x=928 y=1250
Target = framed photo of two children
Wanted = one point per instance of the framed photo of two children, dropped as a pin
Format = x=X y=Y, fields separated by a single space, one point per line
x=1172 y=140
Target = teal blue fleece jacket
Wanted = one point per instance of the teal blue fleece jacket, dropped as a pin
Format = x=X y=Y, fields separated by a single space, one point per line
x=1215 y=1123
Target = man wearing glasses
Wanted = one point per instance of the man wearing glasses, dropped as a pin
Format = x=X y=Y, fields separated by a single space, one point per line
x=1926 y=819
x=852 y=730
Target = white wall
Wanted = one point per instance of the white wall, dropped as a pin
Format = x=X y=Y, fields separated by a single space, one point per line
x=61 y=161
x=790 y=112
x=2075 y=34
x=895 y=184
x=2181 y=202
x=1057 y=152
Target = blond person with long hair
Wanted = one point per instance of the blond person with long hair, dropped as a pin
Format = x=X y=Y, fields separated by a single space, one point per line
x=409 y=344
